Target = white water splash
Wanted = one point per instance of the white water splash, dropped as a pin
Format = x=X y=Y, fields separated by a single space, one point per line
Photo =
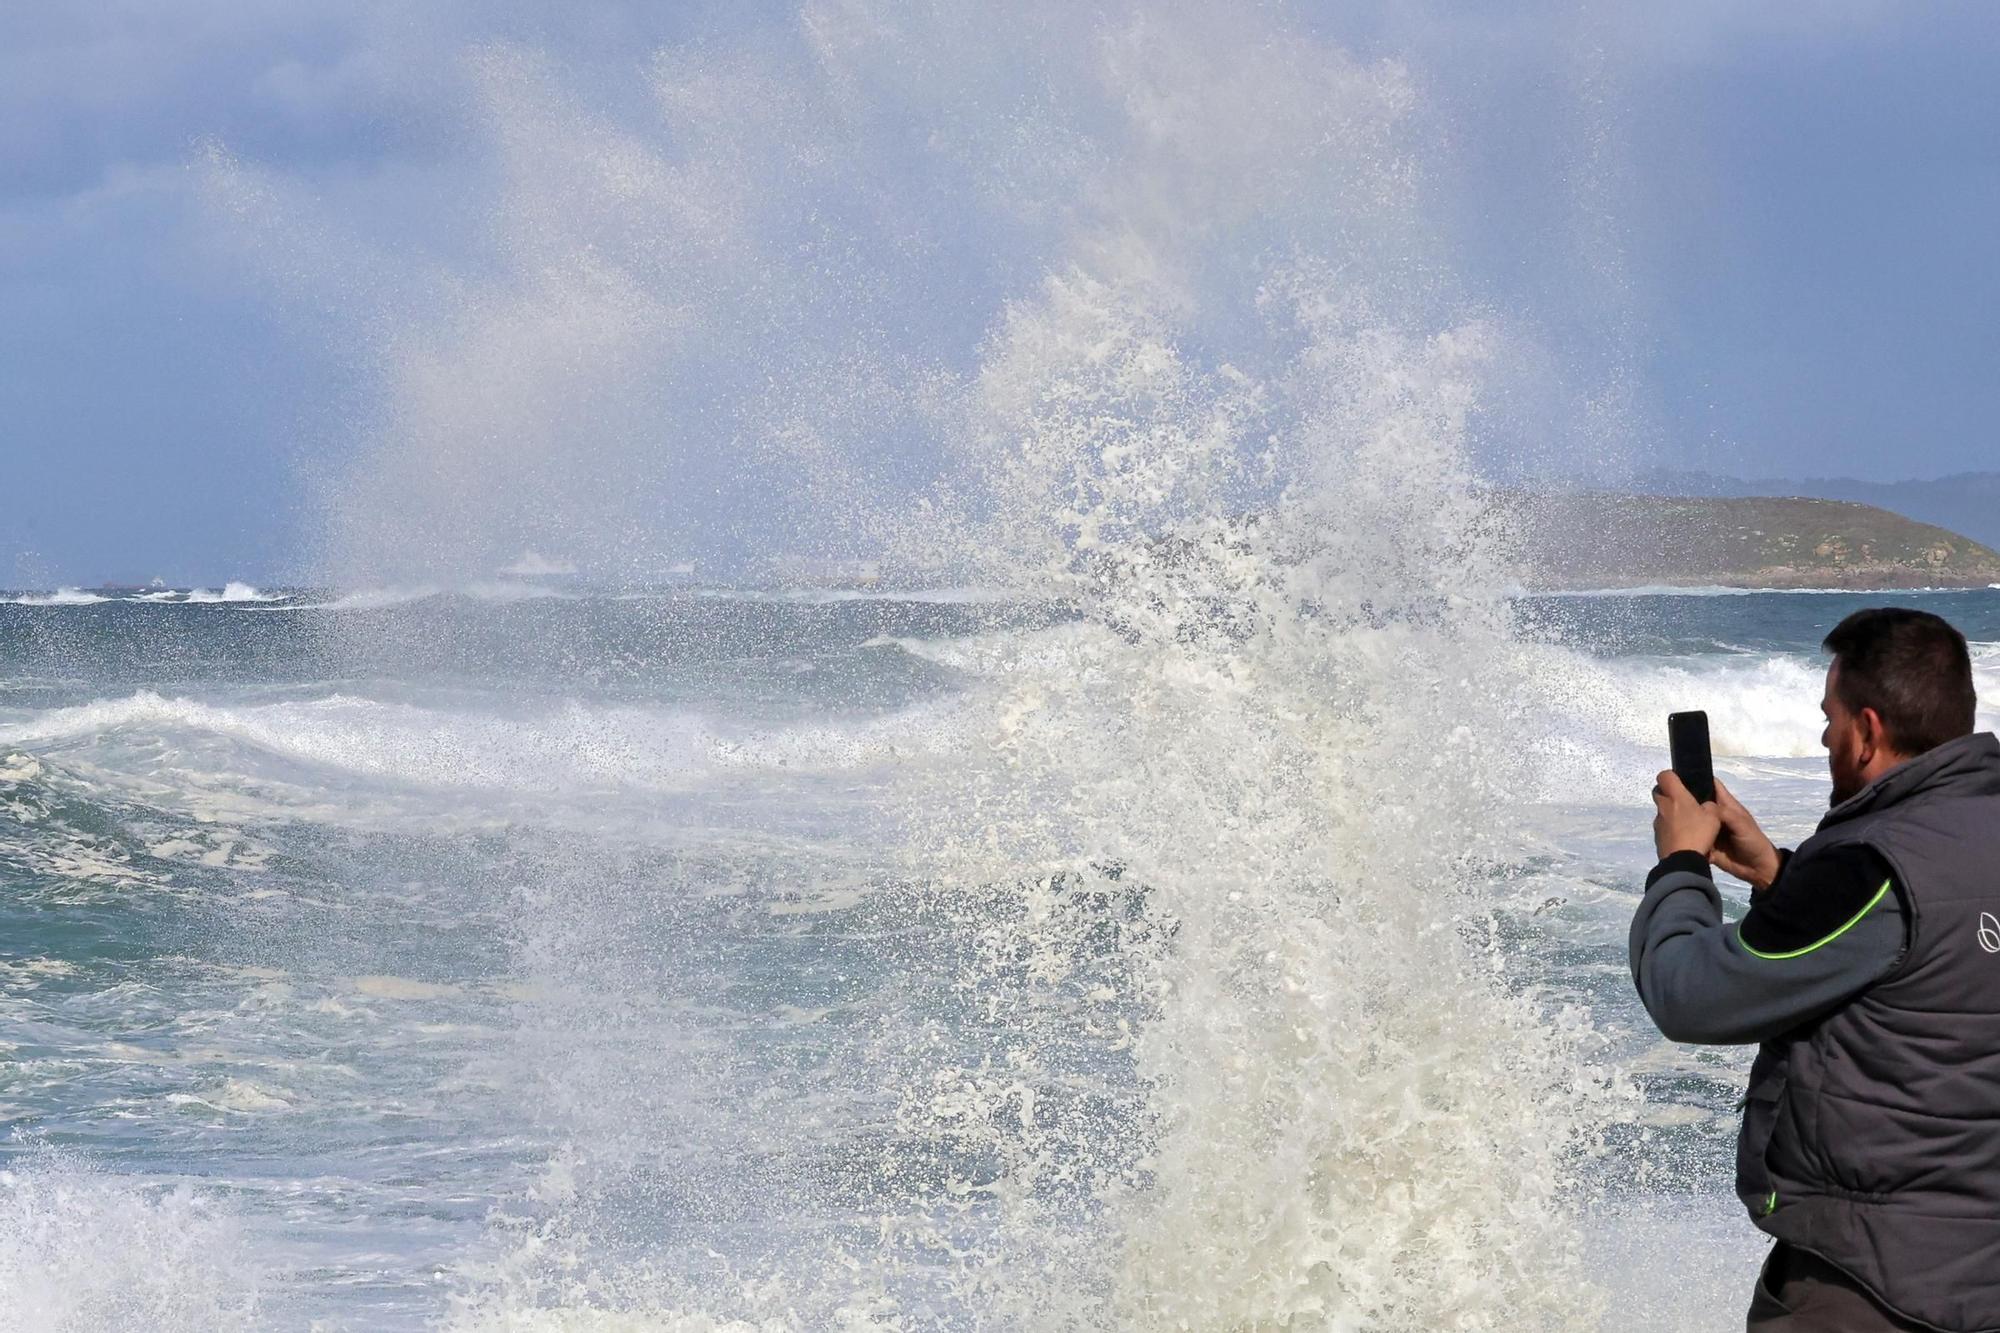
x=1289 y=735
x=1243 y=1054
x=85 y=1252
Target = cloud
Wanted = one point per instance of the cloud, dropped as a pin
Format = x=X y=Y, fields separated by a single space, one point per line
x=298 y=84
x=86 y=87
x=486 y=212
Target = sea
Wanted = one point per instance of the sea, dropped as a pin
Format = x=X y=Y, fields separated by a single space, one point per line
x=913 y=712
x=535 y=956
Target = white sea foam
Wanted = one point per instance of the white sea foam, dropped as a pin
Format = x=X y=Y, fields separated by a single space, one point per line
x=568 y=749
x=936 y=596
x=233 y=593
x=491 y=590
x=60 y=597
x=375 y=599
x=514 y=590
x=571 y=748
x=1719 y=590
x=233 y=1097
x=508 y=590
x=1762 y=705
x=1267 y=732
x=82 y=1251
x=991 y=654
x=1759 y=705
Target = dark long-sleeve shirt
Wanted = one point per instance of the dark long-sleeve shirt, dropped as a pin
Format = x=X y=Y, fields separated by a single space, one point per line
x=1821 y=933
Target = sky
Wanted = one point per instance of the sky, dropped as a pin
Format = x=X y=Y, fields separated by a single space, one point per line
x=1777 y=229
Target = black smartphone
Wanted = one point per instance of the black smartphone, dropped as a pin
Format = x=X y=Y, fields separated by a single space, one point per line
x=1687 y=741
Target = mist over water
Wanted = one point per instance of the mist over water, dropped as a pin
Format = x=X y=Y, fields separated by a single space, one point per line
x=771 y=295
x=1148 y=940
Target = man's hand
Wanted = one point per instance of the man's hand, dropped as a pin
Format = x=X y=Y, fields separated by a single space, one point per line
x=1683 y=824
x=1741 y=848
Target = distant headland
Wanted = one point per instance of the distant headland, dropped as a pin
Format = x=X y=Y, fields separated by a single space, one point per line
x=1610 y=540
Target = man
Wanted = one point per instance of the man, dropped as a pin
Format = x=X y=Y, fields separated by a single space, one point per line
x=1868 y=970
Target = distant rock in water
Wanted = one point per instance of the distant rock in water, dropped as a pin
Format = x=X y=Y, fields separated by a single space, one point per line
x=1606 y=540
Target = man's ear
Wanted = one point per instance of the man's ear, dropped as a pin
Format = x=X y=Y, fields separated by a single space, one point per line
x=1874 y=736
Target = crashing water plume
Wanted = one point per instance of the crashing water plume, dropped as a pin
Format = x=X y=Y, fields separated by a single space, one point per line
x=1142 y=312
x=1279 y=733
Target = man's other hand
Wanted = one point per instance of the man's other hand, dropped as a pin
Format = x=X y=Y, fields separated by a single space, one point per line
x=1742 y=848
x=1683 y=824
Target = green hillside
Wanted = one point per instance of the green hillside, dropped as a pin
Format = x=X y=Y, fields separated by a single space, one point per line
x=1603 y=540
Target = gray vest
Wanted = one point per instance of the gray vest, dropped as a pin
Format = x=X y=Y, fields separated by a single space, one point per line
x=1872 y=1137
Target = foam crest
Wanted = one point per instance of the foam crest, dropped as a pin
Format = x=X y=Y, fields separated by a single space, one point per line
x=570 y=747
x=488 y=590
x=1759 y=705
x=60 y=597
x=232 y=593
x=1762 y=705
x=86 y=1252
x=1719 y=590
x=376 y=599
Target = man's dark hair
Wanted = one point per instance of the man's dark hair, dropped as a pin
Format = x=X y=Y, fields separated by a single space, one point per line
x=1912 y=668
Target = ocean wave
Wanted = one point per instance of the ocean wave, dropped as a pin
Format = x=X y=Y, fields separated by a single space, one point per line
x=375 y=599
x=967 y=596
x=1761 y=705
x=381 y=599
x=403 y=741
x=571 y=747
x=1765 y=706
x=232 y=592
x=504 y=592
x=81 y=1249
x=1719 y=590
x=993 y=654
x=501 y=591
x=1758 y=704
x=60 y=597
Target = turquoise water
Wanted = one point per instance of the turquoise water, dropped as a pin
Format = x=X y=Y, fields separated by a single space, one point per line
x=356 y=959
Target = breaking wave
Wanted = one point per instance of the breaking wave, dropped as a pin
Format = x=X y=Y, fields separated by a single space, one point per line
x=87 y=1252
x=572 y=747
x=60 y=597
x=233 y=593
x=230 y=594
x=1718 y=590
x=1201 y=1023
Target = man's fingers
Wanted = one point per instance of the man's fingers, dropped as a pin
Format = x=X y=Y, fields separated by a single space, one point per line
x=1669 y=785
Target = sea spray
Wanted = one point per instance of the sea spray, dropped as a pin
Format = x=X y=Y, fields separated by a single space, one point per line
x=1170 y=953
x=82 y=1251
x=1283 y=738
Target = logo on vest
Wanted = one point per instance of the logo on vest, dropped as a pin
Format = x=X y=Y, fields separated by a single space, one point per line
x=1989 y=932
